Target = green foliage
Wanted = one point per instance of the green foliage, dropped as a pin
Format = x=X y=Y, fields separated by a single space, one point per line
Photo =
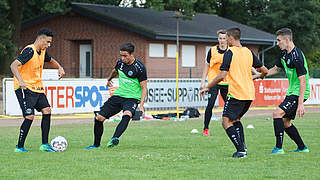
x=186 y=7
x=163 y=150
x=266 y=15
x=7 y=48
x=30 y=10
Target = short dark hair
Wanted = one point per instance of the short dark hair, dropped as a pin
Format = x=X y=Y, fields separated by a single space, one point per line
x=221 y=31
x=45 y=31
x=285 y=32
x=234 y=32
x=127 y=47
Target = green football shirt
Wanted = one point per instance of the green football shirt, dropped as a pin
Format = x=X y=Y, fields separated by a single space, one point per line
x=130 y=77
x=295 y=65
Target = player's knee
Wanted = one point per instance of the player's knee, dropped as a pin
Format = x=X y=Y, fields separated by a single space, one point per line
x=127 y=113
x=100 y=118
x=287 y=124
x=46 y=110
x=30 y=117
x=226 y=123
x=278 y=114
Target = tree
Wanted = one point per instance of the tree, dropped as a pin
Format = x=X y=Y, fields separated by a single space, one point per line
x=14 y=12
x=7 y=48
x=186 y=7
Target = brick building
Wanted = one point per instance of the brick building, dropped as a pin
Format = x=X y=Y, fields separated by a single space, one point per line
x=87 y=39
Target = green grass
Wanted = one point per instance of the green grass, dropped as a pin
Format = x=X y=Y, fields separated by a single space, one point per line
x=163 y=150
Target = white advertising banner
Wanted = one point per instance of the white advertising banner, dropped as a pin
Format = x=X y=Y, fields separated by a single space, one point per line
x=314 y=97
x=65 y=96
x=87 y=95
x=163 y=93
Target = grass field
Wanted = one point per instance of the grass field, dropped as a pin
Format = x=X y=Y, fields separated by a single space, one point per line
x=163 y=150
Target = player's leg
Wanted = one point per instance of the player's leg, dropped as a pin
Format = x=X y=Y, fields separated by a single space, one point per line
x=45 y=129
x=212 y=96
x=239 y=128
x=26 y=103
x=237 y=123
x=290 y=129
x=111 y=107
x=293 y=133
x=129 y=108
x=278 y=126
x=44 y=106
x=278 y=123
x=232 y=110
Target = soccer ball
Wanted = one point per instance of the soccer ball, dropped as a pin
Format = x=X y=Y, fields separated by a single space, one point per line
x=59 y=143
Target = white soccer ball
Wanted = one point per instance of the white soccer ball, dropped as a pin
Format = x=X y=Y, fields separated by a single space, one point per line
x=59 y=143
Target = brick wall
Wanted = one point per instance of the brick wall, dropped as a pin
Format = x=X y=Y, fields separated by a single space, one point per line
x=72 y=29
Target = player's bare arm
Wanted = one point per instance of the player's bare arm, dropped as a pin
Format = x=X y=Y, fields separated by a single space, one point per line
x=204 y=75
x=262 y=75
x=302 y=90
x=254 y=71
x=53 y=63
x=113 y=74
x=14 y=69
x=273 y=70
x=143 y=85
x=222 y=75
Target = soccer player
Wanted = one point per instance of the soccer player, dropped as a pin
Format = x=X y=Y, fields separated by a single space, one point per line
x=131 y=92
x=294 y=62
x=237 y=64
x=211 y=70
x=27 y=71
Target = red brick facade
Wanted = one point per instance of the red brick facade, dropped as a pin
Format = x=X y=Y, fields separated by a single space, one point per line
x=72 y=29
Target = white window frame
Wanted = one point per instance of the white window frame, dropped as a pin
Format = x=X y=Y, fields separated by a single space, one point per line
x=171 y=50
x=156 y=50
x=188 y=56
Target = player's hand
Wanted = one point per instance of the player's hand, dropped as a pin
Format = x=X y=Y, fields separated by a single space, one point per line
x=141 y=109
x=204 y=91
x=61 y=73
x=300 y=110
x=256 y=76
x=109 y=83
x=22 y=85
x=203 y=85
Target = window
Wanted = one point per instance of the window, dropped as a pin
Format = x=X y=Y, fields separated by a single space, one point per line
x=188 y=56
x=171 y=50
x=156 y=50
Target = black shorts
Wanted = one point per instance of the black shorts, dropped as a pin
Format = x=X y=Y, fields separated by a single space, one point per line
x=235 y=108
x=213 y=93
x=290 y=105
x=116 y=103
x=30 y=100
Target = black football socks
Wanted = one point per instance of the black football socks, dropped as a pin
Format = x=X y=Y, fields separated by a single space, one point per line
x=24 y=129
x=207 y=116
x=234 y=137
x=122 y=126
x=98 y=131
x=239 y=129
x=293 y=133
x=45 y=127
x=278 y=131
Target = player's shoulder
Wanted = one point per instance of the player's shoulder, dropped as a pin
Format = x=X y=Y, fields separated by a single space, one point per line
x=296 y=54
x=27 y=50
x=138 y=63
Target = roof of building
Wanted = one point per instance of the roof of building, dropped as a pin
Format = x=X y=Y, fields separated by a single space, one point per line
x=162 y=25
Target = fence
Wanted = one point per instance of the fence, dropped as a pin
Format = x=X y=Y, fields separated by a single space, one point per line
x=87 y=95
